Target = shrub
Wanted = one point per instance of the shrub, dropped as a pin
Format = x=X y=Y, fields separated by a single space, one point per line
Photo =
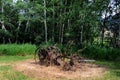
x=102 y=53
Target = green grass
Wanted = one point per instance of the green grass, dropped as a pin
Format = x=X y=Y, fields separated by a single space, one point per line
x=6 y=70
x=113 y=70
x=17 y=49
x=7 y=59
x=10 y=53
x=7 y=73
x=102 y=53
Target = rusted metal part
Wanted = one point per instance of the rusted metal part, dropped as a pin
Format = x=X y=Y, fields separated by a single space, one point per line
x=52 y=56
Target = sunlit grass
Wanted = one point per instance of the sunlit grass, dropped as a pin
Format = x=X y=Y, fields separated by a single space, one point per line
x=113 y=70
x=7 y=73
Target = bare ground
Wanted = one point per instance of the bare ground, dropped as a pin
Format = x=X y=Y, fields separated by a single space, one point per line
x=82 y=71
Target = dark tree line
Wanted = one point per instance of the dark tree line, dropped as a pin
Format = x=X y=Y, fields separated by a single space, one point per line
x=58 y=21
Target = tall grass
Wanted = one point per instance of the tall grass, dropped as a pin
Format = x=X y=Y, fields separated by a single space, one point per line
x=17 y=49
x=102 y=53
x=92 y=51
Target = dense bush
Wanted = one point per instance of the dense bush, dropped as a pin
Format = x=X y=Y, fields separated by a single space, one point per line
x=102 y=53
x=91 y=51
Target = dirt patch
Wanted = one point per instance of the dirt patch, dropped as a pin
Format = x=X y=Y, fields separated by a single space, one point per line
x=83 y=70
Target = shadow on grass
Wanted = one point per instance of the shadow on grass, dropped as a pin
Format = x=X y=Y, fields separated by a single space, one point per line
x=116 y=68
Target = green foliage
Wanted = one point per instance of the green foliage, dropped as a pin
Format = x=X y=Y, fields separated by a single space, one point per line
x=65 y=48
x=27 y=17
x=38 y=40
x=5 y=34
x=102 y=53
x=16 y=49
x=65 y=19
x=45 y=45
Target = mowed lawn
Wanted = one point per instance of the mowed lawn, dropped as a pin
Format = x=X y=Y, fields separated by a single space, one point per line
x=7 y=72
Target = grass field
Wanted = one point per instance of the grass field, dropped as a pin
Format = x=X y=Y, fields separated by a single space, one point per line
x=10 y=54
x=113 y=70
x=7 y=72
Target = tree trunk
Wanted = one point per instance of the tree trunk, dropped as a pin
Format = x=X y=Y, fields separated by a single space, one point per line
x=45 y=21
x=102 y=40
x=2 y=22
x=119 y=37
x=9 y=40
x=60 y=27
x=18 y=28
x=2 y=10
x=62 y=33
x=59 y=33
x=81 y=36
x=103 y=25
x=19 y=24
x=27 y=24
x=53 y=30
x=68 y=22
